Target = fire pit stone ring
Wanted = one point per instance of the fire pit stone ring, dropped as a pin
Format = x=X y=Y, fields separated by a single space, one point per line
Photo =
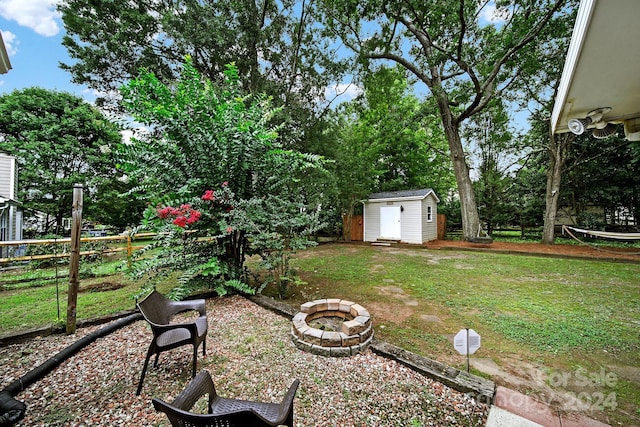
x=332 y=327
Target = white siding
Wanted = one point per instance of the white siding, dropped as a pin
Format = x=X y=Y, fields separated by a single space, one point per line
x=429 y=228
x=7 y=176
x=11 y=217
x=372 y=221
x=411 y=221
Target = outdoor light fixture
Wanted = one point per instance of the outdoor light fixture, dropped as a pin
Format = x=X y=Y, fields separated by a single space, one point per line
x=578 y=126
x=607 y=130
x=601 y=129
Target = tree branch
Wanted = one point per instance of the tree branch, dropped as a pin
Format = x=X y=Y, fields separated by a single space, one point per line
x=487 y=86
x=405 y=63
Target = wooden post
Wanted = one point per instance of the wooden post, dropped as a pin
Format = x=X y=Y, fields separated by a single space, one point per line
x=74 y=260
x=442 y=226
x=129 y=250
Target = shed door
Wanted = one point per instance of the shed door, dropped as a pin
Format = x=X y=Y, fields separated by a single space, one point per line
x=390 y=222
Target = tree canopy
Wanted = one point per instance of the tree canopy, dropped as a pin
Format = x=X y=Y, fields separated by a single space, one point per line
x=276 y=46
x=59 y=140
x=464 y=60
x=383 y=142
x=470 y=56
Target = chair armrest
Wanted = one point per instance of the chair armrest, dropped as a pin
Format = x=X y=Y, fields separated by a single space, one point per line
x=287 y=401
x=200 y=385
x=199 y=305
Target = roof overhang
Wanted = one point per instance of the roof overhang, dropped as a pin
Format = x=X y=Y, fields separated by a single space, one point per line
x=400 y=196
x=5 y=202
x=5 y=64
x=602 y=67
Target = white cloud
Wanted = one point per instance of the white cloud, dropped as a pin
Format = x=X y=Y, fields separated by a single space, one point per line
x=10 y=42
x=493 y=15
x=39 y=15
x=343 y=91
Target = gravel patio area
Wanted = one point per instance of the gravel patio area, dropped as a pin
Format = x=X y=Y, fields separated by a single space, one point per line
x=250 y=356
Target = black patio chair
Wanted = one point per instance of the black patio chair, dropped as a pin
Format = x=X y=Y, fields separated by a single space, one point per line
x=225 y=412
x=158 y=311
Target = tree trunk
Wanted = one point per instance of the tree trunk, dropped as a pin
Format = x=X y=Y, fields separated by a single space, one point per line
x=468 y=208
x=558 y=150
x=347 y=219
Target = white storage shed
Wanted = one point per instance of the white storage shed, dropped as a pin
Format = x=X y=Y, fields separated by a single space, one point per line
x=409 y=216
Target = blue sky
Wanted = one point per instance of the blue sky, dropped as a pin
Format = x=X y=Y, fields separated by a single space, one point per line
x=32 y=32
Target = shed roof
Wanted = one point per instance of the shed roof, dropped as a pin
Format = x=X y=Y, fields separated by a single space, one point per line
x=402 y=195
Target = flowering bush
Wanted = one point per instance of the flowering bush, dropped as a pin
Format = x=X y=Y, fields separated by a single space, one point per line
x=212 y=134
x=183 y=216
x=192 y=239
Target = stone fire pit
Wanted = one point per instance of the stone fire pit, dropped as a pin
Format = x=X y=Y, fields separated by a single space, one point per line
x=332 y=327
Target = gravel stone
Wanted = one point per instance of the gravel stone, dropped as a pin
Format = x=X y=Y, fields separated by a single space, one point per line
x=250 y=355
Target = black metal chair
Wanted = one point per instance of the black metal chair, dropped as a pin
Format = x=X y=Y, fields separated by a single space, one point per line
x=158 y=311
x=225 y=412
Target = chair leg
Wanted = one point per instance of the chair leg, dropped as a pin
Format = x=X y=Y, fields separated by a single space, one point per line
x=204 y=347
x=155 y=363
x=195 y=361
x=144 y=369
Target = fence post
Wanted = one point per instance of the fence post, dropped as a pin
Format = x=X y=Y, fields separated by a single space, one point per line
x=74 y=263
x=129 y=250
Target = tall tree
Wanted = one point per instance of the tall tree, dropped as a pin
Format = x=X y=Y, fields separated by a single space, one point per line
x=527 y=191
x=464 y=60
x=412 y=147
x=558 y=149
x=276 y=47
x=59 y=140
x=489 y=132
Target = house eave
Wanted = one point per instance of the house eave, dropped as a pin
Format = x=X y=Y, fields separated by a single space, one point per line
x=601 y=67
x=5 y=63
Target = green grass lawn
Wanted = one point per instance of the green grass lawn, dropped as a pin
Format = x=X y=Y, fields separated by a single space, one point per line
x=559 y=314
x=40 y=300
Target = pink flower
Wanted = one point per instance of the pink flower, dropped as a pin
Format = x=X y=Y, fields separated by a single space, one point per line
x=229 y=230
x=224 y=184
x=194 y=216
x=184 y=215
x=209 y=195
x=164 y=212
x=180 y=221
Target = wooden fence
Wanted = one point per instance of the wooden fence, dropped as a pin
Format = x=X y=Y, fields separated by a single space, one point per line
x=20 y=244
x=357 y=227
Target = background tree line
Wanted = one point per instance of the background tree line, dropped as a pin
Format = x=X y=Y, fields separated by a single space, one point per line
x=457 y=136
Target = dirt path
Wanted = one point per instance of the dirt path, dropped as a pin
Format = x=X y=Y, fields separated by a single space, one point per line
x=581 y=251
